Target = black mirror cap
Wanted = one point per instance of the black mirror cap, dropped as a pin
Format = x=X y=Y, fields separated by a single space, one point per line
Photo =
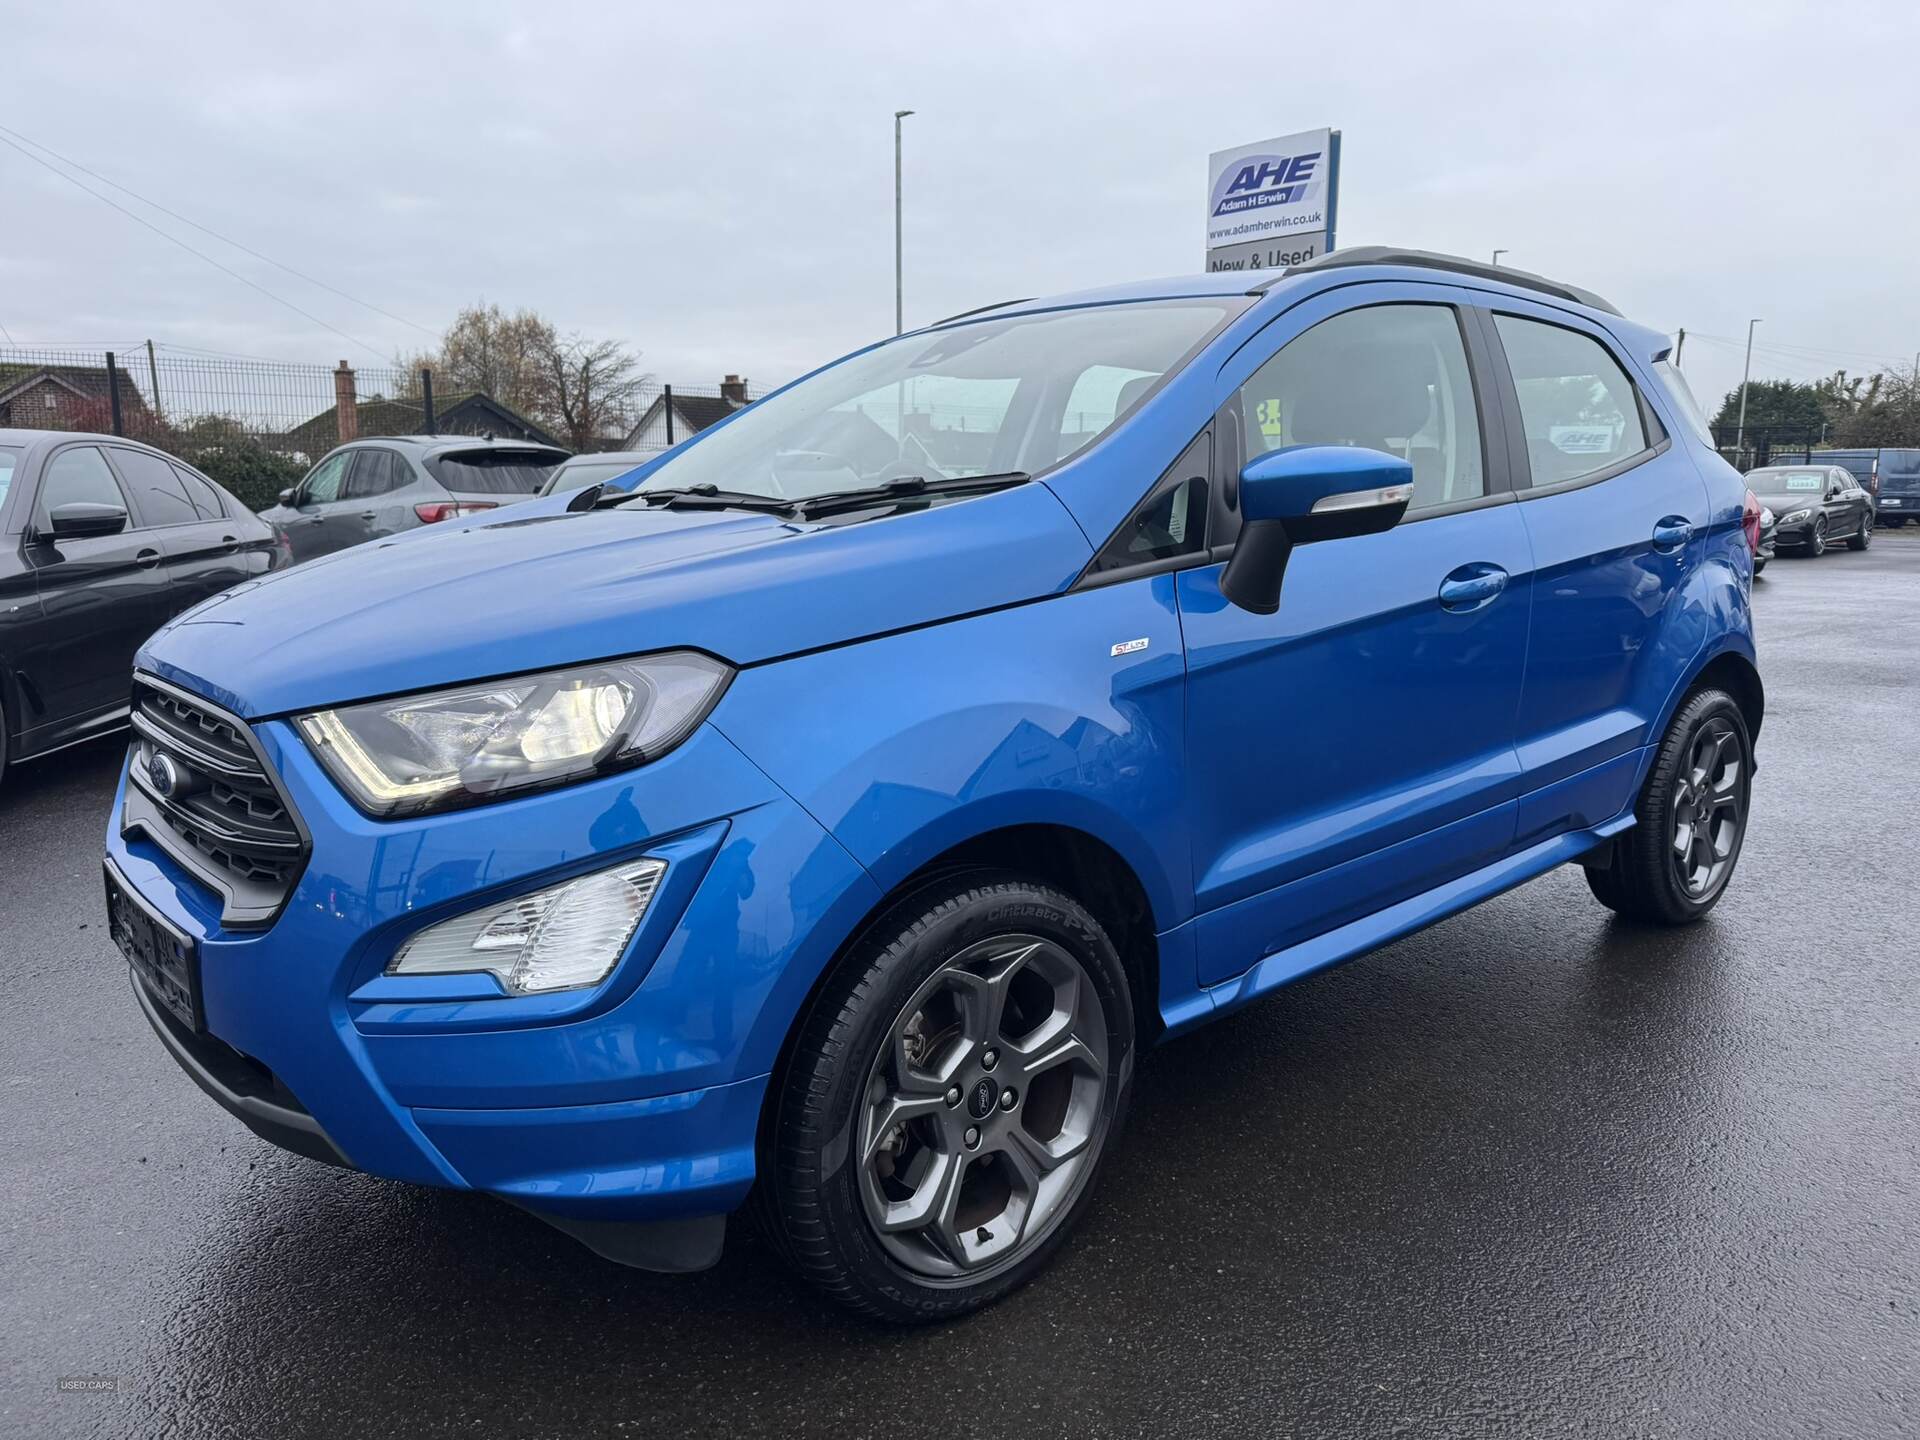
x=80 y=518
x=1258 y=564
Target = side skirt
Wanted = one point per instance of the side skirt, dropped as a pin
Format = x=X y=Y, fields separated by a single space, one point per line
x=1184 y=1012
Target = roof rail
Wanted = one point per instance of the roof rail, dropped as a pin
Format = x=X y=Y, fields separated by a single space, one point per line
x=1430 y=260
x=983 y=309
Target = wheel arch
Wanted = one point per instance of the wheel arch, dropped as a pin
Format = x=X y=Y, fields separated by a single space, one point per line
x=1072 y=860
x=1732 y=669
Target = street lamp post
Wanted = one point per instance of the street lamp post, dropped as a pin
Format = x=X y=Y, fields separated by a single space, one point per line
x=1740 y=431
x=1496 y=256
x=899 y=292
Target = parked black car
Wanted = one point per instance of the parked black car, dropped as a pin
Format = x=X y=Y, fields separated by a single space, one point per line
x=1814 y=505
x=374 y=487
x=1769 y=538
x=102 y=541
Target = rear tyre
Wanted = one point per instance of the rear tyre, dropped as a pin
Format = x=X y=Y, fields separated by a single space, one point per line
x=1691 y=818
x=1817 y=537
x=1864 y=538
x=949 y=1099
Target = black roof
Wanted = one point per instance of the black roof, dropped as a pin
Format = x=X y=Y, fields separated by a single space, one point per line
x=704 y=410
x=1432 y=260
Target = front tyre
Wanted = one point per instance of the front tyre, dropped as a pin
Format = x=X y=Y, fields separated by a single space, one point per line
x=1817 y=538
x=950 y=1098
x=1691 y=818
x=1864 y=537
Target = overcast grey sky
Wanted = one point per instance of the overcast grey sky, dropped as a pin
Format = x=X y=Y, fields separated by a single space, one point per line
x=713 y=184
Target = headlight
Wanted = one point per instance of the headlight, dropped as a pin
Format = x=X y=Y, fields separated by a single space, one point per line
x=1795 y=518
x=482 y=742
x=560 y=938
x=1766 y=515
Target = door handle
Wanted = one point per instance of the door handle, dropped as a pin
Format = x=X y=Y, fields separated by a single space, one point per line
x=1472 y=586
x=147 y=559
x=1672 y=532
x=369 y=515
x=314 y=519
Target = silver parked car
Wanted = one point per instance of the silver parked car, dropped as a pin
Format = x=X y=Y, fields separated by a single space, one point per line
x=380 y=486
x=584 y=470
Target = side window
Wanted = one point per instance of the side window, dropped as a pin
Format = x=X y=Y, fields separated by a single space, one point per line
x=205 y=498
x=78 y=476
x=157 y=489
x=368 y=476
x=1577 y=405
x=323 y=484
x=1171 y=521
x=393 y=473
x=1388 y=377
x=1683 y=400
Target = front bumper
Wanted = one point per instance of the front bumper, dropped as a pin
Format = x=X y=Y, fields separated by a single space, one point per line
x=634 y=1100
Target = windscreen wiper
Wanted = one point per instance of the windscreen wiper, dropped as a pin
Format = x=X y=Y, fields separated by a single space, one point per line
x=906 y=487
x=691 y=497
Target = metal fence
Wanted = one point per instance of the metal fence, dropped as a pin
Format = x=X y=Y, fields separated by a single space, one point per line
x=257 y=425
x=1762 y=445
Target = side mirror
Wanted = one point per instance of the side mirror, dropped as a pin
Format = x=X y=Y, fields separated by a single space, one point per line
x=286 y=497
x=1301 y=495
x=81 y=518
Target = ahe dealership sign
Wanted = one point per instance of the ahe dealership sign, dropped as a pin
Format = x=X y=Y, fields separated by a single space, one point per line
x=1273 y=203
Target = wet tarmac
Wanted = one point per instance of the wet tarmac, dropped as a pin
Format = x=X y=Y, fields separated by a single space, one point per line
x=1532 y=1172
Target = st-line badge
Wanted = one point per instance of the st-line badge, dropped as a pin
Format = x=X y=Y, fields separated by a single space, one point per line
x=1127 y=647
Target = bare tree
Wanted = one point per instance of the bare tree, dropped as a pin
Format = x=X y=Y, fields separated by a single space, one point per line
x=588 y=388
x=488 y=350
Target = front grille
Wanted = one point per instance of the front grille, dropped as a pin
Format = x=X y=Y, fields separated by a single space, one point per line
x=200 y=788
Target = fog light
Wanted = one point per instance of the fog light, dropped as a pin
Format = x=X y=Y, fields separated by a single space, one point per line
x=560 y=938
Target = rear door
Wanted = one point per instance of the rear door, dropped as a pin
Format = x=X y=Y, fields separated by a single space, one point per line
x=199 y=544
x=225 y=546
x=100 y=597
x=1616 y=514
x=1356 y=747
x=1858 y=499
x=370 y=506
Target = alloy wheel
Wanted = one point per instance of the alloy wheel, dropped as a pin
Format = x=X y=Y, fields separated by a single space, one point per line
x=985 y=1109
x=1709 y=810
x=1818 y=544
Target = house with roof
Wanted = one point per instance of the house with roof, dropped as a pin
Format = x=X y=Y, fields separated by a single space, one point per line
x=690 y=414
x=464 y=412
x=65 y=397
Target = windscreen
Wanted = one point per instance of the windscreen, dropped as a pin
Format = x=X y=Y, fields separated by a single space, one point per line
x=1788 y=484
x=493 y=472
x=987 y=398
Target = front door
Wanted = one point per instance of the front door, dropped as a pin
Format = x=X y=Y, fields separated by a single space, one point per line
x=101 y=596
x=1356 y=747
x=312 y=529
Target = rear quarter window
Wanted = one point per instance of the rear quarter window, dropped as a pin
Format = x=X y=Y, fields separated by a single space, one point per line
x=1681 y=394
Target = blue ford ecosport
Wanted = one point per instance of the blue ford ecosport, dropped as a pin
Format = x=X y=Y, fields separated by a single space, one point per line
x=834 y=813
